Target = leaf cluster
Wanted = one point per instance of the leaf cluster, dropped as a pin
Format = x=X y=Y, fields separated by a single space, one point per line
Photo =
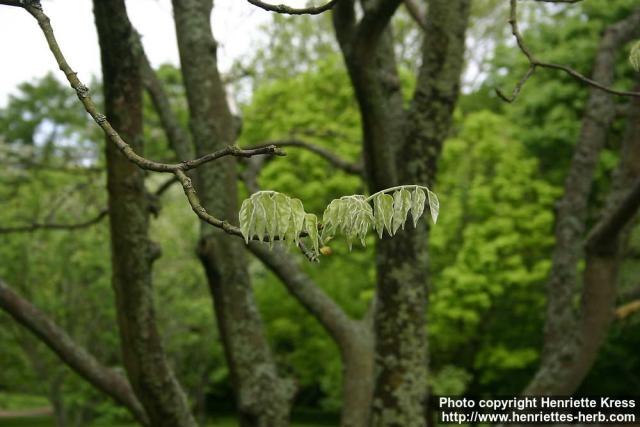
x=270 y=216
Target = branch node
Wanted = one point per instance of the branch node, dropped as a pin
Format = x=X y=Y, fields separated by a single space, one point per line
x=82 y=91
x=31 y=3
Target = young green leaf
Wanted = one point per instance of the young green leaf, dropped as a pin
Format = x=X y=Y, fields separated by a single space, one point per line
x=311 y=227
x=245 y=219
x=283 y=213
x=281 y=217
x=418 y=199
x=330 y=220
x=434 y=205
x=383 y=204
x=271 y=216
x=401 y=207
x=297 y=219
x=258 y=225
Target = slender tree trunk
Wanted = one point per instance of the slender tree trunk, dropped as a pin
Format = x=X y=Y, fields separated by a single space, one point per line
x=357 y=377
x=263 y=398
x=603 y=257
x=573 y=337
x=132 y=251
x=354 y=338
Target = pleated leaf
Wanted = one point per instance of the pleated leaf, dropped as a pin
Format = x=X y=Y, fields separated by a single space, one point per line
x=311 y=227
x=246 y=212
x=401 y=208
x=297 y=218
x=280 y=217
x=434 y=205
x=383 y=205
x=418 y=199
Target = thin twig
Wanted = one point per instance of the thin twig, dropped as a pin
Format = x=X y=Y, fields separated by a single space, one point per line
x=54 y=226
x=334 y=159
x=178 y=169
x=142 y=162
x=282 y=8
x=518 y=86
x=202 y=213
x=535 y=62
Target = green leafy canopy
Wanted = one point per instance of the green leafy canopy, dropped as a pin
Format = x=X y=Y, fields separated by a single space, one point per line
x=269 y=215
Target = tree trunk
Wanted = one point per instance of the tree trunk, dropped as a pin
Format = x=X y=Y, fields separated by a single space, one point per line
x=354 y=338
x=357 y=378
x=572 y=339
x=603 y=257
x=402 y=147
x=263 y=398
x=132 y=251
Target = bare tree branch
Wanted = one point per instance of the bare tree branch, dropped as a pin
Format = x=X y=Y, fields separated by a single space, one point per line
x=83 y=94
x=518 y=87
x=353 y=337
x=535 y=62
x=70 y=352
x=201 y=212
x=282 y=8
x=332 y=317
x=335 y=160
x=179 y=169
x=180 y=144
x=17 y=3
x=30 y=164
x=54 y=226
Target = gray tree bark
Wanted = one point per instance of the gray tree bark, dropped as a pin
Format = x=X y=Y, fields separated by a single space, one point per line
x=573 y=336
x=132 y=251
x=402 y=147
x=354 y=338
x=263 y=398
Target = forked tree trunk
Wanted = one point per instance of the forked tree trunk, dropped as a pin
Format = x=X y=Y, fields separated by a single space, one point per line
x=402 y=147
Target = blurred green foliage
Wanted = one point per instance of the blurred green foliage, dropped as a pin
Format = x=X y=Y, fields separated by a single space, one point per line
x=500 y=175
